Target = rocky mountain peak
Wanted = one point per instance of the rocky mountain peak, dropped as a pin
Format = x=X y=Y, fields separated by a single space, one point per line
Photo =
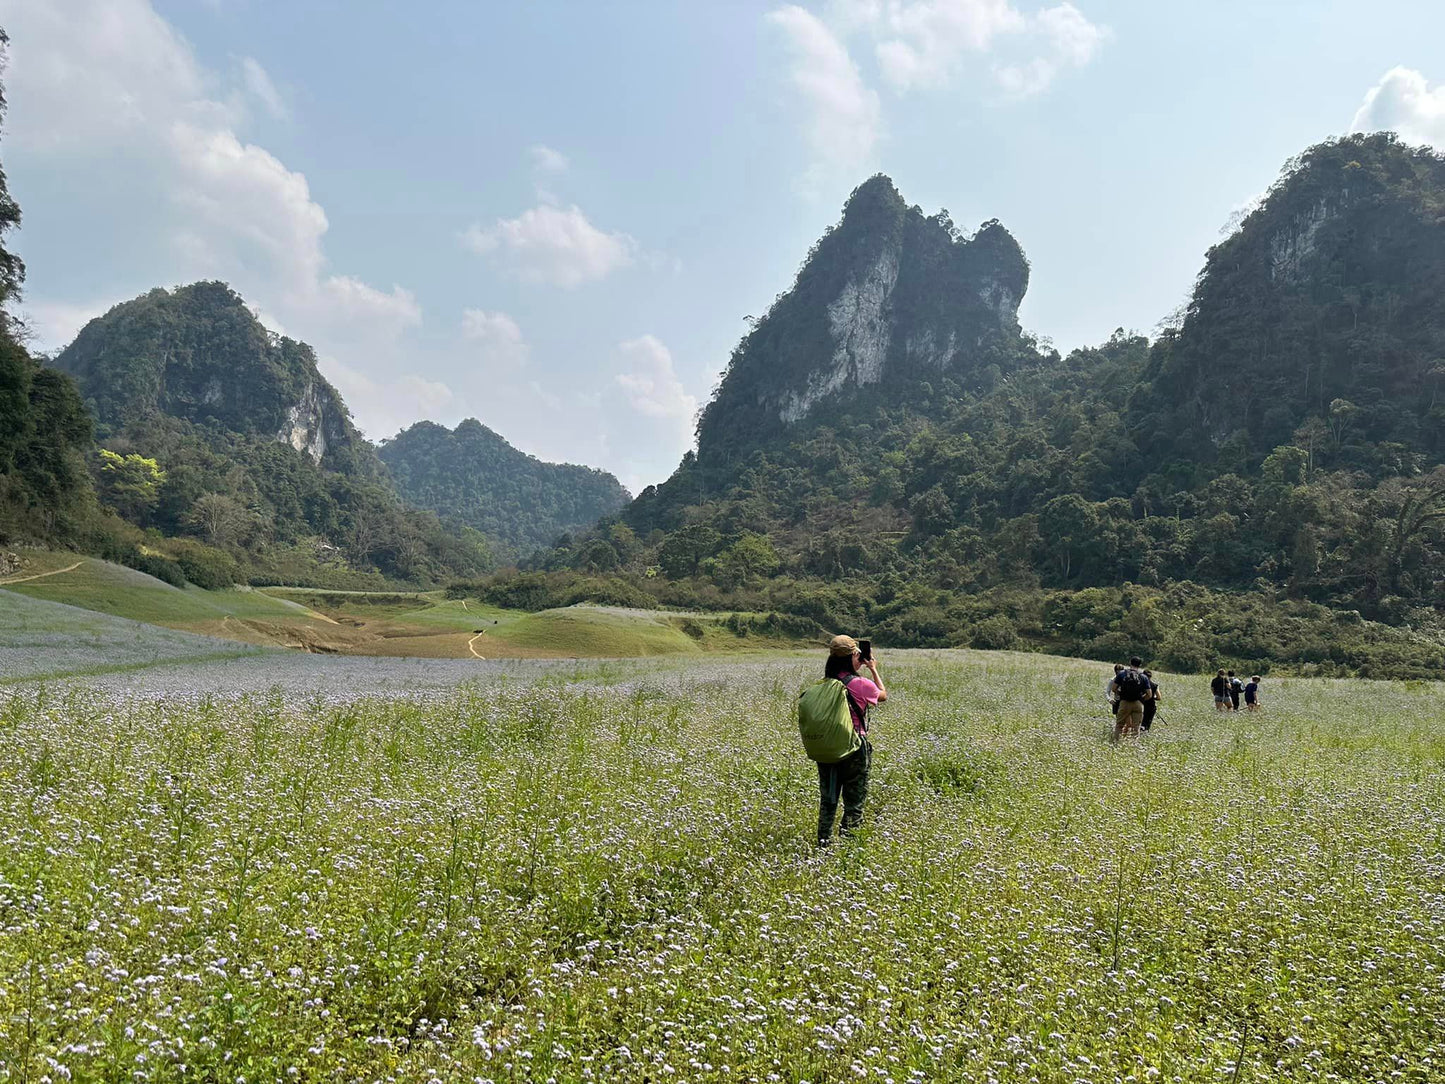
x=886 y=293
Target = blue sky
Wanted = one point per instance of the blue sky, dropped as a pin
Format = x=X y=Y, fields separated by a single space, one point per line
x=554 y=216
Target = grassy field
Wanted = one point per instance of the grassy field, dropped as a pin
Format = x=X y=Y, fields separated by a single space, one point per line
x=44 y=640
x=91 y=584
x=393 y=624
x=605 y=872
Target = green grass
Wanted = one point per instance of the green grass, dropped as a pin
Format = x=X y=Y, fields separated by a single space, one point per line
x=429 y=609
x=588 y=632
x=609 y=875
x=123 y=592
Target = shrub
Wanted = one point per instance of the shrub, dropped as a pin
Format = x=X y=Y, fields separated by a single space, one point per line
x=205 y=566
x=162 y=568
x=995 y=633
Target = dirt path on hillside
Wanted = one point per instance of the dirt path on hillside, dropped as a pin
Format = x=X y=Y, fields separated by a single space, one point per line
x=40 y=575
x=472 y=649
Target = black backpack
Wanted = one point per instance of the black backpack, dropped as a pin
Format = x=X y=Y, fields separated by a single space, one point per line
x=1132 y=685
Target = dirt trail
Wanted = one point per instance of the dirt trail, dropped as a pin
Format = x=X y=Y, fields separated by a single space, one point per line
x=472 y=649
x=40 y=575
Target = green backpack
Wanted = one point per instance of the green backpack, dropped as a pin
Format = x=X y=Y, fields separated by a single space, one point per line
x=825 y=723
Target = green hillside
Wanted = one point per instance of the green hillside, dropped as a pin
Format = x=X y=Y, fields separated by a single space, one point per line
x=377 y=623
x=40 y=639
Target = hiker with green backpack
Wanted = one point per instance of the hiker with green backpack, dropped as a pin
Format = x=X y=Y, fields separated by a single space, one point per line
x=833 y=723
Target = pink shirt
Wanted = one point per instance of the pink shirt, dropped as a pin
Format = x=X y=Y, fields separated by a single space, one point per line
x=862 y=695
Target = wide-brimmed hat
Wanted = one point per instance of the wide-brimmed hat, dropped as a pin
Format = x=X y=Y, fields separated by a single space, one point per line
x=842 y=645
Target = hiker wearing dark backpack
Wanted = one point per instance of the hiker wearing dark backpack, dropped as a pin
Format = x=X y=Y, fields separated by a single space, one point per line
x=1132 y=689
x=833 y=723
x=1151 y=706
x=1236 y=687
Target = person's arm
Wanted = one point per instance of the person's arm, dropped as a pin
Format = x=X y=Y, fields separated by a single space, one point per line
x=873 y=669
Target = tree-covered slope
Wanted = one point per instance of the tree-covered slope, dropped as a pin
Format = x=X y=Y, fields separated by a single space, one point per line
x=1285 y=442
x=1326 y=310
x=213 y=427
x=472 y=476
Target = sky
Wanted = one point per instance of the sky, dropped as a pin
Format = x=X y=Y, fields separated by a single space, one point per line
x=555 y=217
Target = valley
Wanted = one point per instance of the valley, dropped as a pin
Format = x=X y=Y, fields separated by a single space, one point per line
x=426 y=625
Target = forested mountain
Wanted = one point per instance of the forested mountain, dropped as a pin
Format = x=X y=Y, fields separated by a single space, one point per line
x=212 y=427
x=888 y=452
x=196 y=354
x=472 y=476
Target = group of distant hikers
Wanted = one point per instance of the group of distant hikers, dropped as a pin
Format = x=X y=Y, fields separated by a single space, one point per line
x=1228 y=690
x=1134 y=696
x=833 y=721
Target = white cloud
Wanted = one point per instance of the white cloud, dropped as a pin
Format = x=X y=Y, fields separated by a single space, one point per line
x=53 y=324
x=554 y=244
x=842 y=124
x=499 y=341
x=924 y=40
x=1073 y=37
x=1403 y=102
x=651 y=383
x=385 y=405
x=918 y=45
x=1026 y=79
x=547 y=160
x=106 y=89
x=90 y=75
x=259 y=86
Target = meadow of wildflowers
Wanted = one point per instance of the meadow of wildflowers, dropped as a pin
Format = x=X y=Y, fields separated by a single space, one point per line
x=44 y=639
x=607 y=873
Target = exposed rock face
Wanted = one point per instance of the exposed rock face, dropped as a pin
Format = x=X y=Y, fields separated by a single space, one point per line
x=886 y=294
x=1291 y=247
x=305 y=425
x=858 y=323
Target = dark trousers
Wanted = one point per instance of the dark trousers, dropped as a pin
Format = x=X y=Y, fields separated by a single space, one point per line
x=1149 y=709
x=848 y=779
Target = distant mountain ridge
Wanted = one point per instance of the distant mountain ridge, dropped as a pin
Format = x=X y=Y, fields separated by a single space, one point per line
x=471 y=475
